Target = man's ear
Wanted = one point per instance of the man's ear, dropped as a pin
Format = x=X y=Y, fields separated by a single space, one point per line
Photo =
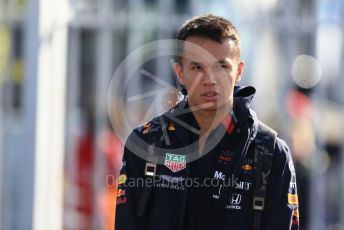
x=178 y=69
x=240 y=69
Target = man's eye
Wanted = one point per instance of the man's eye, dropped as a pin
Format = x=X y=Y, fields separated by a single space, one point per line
x=196 y=67
x=224 y=66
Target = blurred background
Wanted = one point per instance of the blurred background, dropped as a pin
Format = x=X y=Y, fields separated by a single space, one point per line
x=59 y=156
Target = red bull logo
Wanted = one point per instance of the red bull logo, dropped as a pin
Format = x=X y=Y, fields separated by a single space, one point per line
x=247 y=167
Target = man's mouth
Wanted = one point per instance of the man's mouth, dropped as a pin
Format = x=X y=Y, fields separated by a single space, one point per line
x=210 y=96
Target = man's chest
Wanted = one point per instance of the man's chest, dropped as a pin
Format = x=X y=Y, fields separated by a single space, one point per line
x=227 y=179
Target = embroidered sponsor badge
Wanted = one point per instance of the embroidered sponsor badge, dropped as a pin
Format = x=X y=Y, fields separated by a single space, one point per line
x=172 y=179
x=121 y=197
x=146 y=128
x=219 y=175
x=235 y=200
x=246 y=167
x=121 y=179
x=292 y=199
x=225 y=157
x=121 y=200
x=296 y=216
x=175 y=162
x=170 y=182
x=171 y=126
x=120 y=192
x=296 y=213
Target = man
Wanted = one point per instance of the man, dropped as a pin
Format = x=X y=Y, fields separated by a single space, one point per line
x=207 y=172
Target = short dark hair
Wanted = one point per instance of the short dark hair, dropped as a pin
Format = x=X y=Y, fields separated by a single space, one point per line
x=210 y=26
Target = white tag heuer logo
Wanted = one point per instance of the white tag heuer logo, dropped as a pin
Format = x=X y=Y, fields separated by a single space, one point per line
x=175 y=162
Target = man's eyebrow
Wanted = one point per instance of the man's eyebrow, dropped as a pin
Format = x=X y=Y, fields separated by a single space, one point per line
x=224 y=61
x=194 y=63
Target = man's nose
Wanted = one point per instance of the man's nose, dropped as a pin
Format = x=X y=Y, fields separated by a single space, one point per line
x=209 y=78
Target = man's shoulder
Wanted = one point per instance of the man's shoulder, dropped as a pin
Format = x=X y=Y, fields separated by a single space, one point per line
x=275 y=150
x=270 y=137
x=282 y=151
x=151 y=130
x=147 y=129
x=141 y=138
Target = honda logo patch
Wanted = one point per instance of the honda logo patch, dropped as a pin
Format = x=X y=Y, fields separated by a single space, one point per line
x=235 y=200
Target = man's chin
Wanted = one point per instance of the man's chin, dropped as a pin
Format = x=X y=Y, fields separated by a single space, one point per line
x=209 y=106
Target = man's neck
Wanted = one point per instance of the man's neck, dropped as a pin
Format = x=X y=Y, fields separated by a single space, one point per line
x=210 y=119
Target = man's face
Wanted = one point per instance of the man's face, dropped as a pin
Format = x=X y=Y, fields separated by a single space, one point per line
x=209 y=77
